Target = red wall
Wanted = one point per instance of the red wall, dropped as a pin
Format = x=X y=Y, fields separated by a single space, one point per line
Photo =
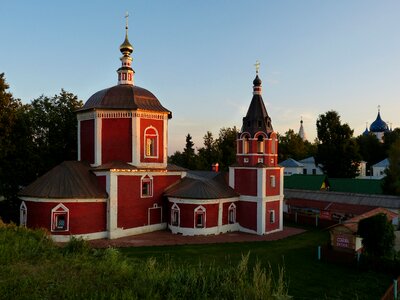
x=102 y=180
x=246 y=182
x=87 y=141
x=269 y=190
x=269 y=206
x=116 y=139
x=187 y=214
x=132 y=209
x=84 y=218
x=246 y=214
x=159 y=125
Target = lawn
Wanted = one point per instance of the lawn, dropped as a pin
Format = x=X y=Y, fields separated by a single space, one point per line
x=307 y=277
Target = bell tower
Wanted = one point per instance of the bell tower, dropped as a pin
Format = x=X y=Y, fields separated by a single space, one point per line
x=256 y=176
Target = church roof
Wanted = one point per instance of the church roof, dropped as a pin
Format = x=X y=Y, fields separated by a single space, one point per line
x=291 y=163
x=70 y=179
x=125 y=96
x=201 y=185
x=257 y=118
x=379 y=125
x=382 y=164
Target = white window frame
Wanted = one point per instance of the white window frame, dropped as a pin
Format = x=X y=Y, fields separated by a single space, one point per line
x=272 y=180
x=146 y=179
x=154 y=137
x=246 y=160
x=23 y=214
x=59 y=210
x=272 y=219
x=260 y=160
x=200 y=210
x=175 y=209
x=232 y=211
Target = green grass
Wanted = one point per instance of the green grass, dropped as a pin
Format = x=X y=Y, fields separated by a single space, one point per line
x=307 y=277
x=33 y=267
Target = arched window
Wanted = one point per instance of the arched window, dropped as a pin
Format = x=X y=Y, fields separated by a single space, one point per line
x=23 y=214
x=175 y=215
x=260 y=144
x=200 y=217
x=60 y=218
x=151 y=142
x=232 y=214
x=246 y=144
x=146 y=186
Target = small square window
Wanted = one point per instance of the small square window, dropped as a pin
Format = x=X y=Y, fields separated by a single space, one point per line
x=245 y=160
x=260 y=160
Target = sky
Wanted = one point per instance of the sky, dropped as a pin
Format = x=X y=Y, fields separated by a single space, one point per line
x=198 y=57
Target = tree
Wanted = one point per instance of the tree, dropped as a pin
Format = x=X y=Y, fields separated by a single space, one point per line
x=291 y=145
x=188 y=155
x=208 y=154
x=377 y=235
x=54 y=125
x=391 y=182
x=337 y=150
x=226 y=145
x=370 y=149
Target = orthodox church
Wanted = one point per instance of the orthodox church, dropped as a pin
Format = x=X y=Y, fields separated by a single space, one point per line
x=378 y=127
x=122 y=184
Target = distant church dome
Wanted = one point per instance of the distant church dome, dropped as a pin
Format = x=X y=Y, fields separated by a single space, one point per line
x=379 y=125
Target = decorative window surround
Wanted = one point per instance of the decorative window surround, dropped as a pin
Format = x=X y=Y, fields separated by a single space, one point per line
x=200 y=217
x=23 y=213
x=60 y=218
x=175 y=215
x=232 y=214
x=146 y=186
x=151 y=139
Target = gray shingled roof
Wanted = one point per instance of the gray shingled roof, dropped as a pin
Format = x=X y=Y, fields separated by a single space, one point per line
x=390 y=202
x=70 y=179
x=201 y=185
x=125 y=96
x=382 y=164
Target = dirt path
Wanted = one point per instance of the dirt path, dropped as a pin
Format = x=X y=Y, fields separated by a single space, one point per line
x=161 y=238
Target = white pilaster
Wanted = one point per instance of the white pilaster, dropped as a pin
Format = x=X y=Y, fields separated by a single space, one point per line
x=112 y=211
x=97 y=140
x=220 y=210
x=165 y=136
x=261 y=183
x=79 y=140
x=135 y=141
x=232 y=177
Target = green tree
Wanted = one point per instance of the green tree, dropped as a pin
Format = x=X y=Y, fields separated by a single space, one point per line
x=371 y=150
x=377 y=235
x=291 y=145
x=226 y=145
x=391 y=182
x=189 y=156
x=208 y=154
x=337 y=150
x=54 y=125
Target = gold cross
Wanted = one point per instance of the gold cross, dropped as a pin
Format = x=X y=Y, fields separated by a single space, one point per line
x=257 y=65
x=126 y=17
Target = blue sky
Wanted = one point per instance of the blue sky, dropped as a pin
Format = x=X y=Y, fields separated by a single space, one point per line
x=198 y=57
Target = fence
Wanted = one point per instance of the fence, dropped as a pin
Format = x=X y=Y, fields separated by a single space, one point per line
x=390 y=293
x=312 y=220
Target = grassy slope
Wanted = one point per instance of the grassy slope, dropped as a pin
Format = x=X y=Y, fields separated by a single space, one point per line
x=308 y=278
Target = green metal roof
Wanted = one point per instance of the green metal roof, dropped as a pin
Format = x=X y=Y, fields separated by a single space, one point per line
x=305 y=182
x=357 y=186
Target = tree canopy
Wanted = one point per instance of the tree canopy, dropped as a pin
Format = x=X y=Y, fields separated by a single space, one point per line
x=291 y=145
x=337 y=149
x=377 y=235
x=391 y=182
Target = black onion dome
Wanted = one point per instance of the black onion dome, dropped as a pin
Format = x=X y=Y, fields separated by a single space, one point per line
x=257 y=81
x=125 y=96
x=379 y=125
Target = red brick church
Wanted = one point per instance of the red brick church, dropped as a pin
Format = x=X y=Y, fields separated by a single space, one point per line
x=122 y=184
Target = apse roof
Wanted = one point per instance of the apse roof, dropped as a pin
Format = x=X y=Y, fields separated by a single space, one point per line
x=200 y=186
x=70 y=179
x=125 y=96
